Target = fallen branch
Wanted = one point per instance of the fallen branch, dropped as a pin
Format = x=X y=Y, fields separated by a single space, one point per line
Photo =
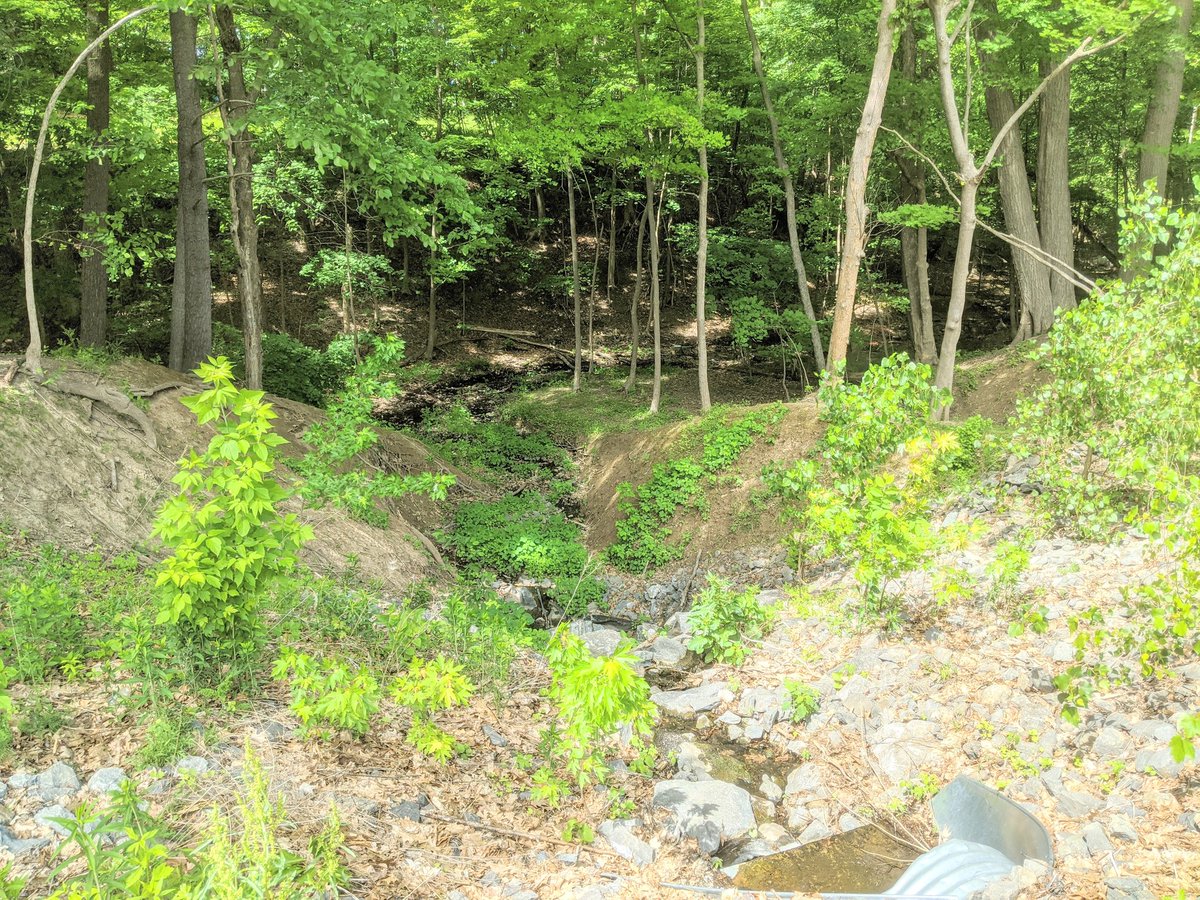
x=10 y=373
x=566 y=357
x=524 y=835
x=146 y=393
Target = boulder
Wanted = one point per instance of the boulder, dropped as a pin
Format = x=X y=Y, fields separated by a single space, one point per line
x=713 y=812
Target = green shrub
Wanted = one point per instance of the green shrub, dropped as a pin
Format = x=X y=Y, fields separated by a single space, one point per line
x=40 y=628
x=722 y=620
x=427 y=687
x=1117 y=430
x=803 y=700
x=328 y=694
x=496 y=450
x=522 y=536
x=290 y=369
x=228 y=540
x=483 y=633
x=349 y=431
x=595 y=697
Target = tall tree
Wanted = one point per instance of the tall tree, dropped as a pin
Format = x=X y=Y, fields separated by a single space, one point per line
x=191 y=296
x=1054 y=181
x=789 y=191
x=856 y=186
x=701 y=221
x=93 y=307
x=236 y=103
x=1163 y=109
x=577 y=377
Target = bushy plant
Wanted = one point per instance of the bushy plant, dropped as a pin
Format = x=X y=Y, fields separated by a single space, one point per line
x=290 y=369
x=483 y=633
x=803 y=700
x=595 y=697
x=348 y=432
x=521 y=535
x=328 y=694
x=40 y=628
x=722 y=620
x=498 y=451
x=229 y=542
x=427 y=687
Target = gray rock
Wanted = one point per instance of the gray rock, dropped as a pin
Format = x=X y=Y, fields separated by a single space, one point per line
x=21 y=781
x=905 y=748
x=804 y=780
x=47 y=815
x=3 y=790
x=1072 y=846
x=57 y=782
x=707 y=810
x=1041 y=681
x=1190 y=821
x=774 y=834
x=196 y=765
x=770 y=789
x=18 y=846
x=1097 y=841
x=729 y=718
x=107 y=780
x=849 y=821
x=626 y=844
x=1154 y=730
x=603 y=642
x=1159 y=761
x=495 y=737
x=755 y=731
x=406 y=809
x=689 y=702
x=1122 y=829
x=667 y=651
x=1127 y=889
x=815 y=830
x=1110 y=743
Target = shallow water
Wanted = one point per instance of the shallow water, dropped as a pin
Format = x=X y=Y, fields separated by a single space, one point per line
x=864 y=861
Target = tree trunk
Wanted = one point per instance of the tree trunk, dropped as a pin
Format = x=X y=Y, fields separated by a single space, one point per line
x=701 y=220
x=914 y=242
x=944 y=378
x=431 y=332
x=655 y=297
x=239 y=145
x=1163 y=108
x=191 y=298
x=789 y=193
x=577 y=378
x=93 y=306
x=1016 y=200
x=634 y=325
x=611 y=284
x=856 y=188
x=1054 y=182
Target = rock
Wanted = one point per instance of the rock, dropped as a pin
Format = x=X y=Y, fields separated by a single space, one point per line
x=849 y=821
x=774 y=834
x=1096 y=840
x=494 y=737
x=3 y=790
x=47 y=815
x=689 y=702
x=626 y=844
x=815 y=830
x=599 y=891
x=710 y=811
x=755 y=732
x=1122 y=829
x=729 y=718
x=21 y=781
x=905 y=748
x=1159 y=761
x=603 y=642
x=1154 y=730
x=18 y=846
x=194 y=765
x=667 y=651
x=57 y=782
x=1072 y=846
x=104 y=781
x=1127 y=889
x=770 y=789
x=406 y=809
x=1110 y=743
x=804 y=780
x=1190 y=821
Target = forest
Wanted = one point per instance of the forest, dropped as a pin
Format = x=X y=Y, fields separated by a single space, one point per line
x=607 y=449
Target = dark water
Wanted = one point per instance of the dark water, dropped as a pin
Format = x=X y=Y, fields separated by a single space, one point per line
x=862 y=861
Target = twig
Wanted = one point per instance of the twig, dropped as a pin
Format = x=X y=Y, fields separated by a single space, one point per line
x=10 y=373
x=524 y=835
x=157 y=389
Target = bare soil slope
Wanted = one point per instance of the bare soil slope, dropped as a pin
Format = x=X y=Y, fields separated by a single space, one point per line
x=75 y=474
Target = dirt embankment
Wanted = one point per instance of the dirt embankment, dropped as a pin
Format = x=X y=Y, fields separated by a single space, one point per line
x=739 y=515
x=74 y=474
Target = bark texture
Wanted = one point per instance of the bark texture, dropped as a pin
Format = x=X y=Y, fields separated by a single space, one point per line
x=191 y=296
x=93 y=306
x=1163 y=110
x=702 y=222
x=1054 y=182
x=856 y=187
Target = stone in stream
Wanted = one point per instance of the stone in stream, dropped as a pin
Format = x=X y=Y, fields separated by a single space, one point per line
x=691 y=701
x=712 y=812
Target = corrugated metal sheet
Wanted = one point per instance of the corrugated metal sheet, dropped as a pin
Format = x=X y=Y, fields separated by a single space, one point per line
x=953 y=869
